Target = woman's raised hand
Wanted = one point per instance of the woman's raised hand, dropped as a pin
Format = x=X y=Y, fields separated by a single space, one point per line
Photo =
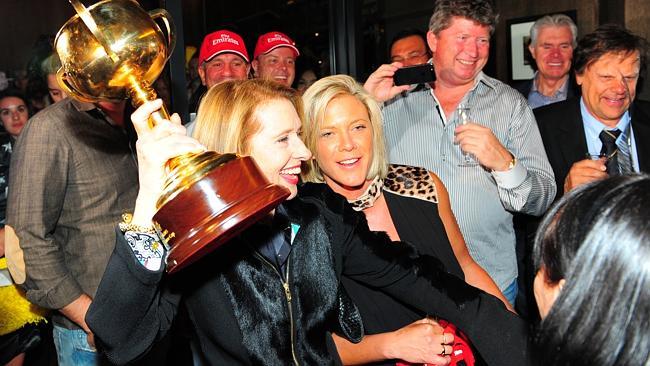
x=155 y=146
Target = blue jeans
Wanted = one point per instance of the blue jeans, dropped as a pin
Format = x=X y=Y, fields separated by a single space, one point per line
x=511 y=292
x=72 y=348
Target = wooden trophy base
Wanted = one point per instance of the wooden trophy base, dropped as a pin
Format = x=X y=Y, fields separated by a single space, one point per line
x=216 y=208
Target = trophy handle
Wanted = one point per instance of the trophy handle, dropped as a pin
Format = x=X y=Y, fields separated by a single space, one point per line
x=88 y=20
x=171 y=28
x=69 y=89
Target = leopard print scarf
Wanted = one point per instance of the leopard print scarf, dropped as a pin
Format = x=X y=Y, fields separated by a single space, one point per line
x=403 y=180
x=368 y=198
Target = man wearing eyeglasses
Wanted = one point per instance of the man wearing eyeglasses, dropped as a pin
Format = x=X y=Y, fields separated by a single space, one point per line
x=409 y=47
x=598 y=135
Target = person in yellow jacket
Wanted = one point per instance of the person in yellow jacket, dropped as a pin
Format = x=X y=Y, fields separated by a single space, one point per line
x=20 y=320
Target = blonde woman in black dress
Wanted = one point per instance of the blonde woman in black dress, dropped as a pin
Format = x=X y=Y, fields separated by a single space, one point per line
x=343 y=131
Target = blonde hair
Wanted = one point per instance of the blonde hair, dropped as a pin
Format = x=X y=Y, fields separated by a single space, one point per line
x=316 y=99
x=227 y=118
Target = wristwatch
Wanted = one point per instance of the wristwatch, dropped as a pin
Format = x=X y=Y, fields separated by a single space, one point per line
x=511 y=164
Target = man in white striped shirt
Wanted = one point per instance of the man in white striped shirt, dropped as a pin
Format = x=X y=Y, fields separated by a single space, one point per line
x=423 y=128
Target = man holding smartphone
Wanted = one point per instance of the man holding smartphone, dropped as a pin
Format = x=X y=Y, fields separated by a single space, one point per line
x=422 y=128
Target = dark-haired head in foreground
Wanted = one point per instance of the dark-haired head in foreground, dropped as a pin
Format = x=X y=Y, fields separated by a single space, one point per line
x=592 y=252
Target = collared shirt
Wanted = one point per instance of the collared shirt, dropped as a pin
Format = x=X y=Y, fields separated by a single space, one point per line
x=73 y=173
x=273 y=238
x=593 y=127
x=277 y=239
x=418 y=133
x=537 y=99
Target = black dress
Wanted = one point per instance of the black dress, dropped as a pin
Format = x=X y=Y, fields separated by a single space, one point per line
x=415 y=221
x=418 y=223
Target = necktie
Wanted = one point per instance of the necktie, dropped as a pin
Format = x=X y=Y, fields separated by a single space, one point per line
x=610 y=150
x=624 y=161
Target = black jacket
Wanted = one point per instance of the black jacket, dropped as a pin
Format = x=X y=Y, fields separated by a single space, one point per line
x=239 y=309
x=562 y=130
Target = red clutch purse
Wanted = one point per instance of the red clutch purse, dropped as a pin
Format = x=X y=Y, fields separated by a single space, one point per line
x=461 y=353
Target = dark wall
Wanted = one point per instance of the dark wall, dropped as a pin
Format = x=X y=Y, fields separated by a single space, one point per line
x=23 y=21
x=637 y=19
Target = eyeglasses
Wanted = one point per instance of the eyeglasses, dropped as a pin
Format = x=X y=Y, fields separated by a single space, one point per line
x=409 y=57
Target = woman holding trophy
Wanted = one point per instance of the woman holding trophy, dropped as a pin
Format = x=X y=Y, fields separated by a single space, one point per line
x=272 y=294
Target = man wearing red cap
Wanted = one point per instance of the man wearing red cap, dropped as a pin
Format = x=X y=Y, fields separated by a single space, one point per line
x=275 y=58
x=223 y=56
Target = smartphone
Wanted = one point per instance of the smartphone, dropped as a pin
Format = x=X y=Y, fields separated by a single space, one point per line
x=416 y=74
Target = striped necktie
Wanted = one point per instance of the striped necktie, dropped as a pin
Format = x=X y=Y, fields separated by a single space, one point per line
x=624 y=156
x=610 y=150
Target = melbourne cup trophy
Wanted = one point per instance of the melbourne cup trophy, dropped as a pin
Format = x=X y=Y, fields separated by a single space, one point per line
x=115 y=50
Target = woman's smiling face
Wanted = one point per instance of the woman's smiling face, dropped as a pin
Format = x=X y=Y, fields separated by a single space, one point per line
x=277 y=147
x=345 y=145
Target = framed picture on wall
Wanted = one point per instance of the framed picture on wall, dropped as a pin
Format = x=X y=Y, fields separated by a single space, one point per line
x=521 y=65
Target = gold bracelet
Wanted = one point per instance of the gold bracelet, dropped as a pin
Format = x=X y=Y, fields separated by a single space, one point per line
x=127 y=225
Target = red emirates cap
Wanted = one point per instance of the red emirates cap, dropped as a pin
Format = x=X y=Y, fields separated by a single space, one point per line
x=272 y=40
x=222 y=41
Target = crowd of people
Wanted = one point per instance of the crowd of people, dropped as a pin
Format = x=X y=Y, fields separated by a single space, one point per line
x=460 y=221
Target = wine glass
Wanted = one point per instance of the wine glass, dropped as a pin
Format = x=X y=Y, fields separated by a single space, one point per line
x=602 y=157
x=609 y=160
x=462 y=114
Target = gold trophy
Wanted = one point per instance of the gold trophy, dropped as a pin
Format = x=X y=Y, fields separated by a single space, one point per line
x=114 y=50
